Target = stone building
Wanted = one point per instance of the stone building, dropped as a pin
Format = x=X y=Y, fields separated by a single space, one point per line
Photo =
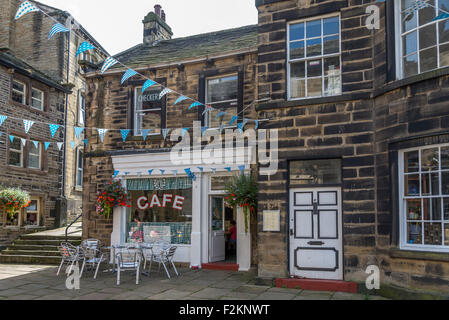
x=27 y=39
x=362 y=115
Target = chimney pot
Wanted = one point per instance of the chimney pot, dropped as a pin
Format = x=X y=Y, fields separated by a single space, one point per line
x=157 y=9
x=163 y=15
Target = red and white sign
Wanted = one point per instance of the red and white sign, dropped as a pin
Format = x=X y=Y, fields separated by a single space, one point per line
x=177 y=202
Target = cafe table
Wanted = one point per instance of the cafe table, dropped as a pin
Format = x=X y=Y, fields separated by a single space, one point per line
x=138 y=246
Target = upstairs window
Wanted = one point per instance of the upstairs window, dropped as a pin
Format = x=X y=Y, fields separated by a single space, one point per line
x=19 y=92
x=314 y=66
x=79 y=168
x=221 y=94
x=422 y=44
x=149 y=110
x=37 y=99
x=81 y=108
x=16 y=153
x=34 y=156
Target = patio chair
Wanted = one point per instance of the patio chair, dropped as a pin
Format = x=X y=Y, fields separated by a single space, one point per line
x=91 y=243
x=165 y=257
x=129 y=259
x=157 y=248
x=92 y=257
x=70 y=255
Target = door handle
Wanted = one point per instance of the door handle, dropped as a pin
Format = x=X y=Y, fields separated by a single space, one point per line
x=315 y=243
x=291 y=232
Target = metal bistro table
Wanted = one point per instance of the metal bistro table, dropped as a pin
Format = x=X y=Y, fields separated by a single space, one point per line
x=138 y=246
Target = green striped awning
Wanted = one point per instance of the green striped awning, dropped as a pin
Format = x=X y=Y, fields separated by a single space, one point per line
x=159 y=184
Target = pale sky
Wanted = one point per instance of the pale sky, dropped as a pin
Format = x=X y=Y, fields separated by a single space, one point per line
x=117 y=24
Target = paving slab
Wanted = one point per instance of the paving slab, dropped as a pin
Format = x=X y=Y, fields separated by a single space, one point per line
x=314 y=295
x=276 y=296
x=96 y=296
x=211 y=293
x=252 y=289
x=233 y=295
x=171 y=294
x=228 y=284
x=348 y=296
x=22 y=297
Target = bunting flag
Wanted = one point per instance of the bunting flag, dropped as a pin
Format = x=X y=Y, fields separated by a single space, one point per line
x=102 y=133
x=415 y=6
x=195 y=104
x=184 y=131
x=221 y=129
x=27 y=124
x=164 y=92
x=1 y=133
x=240 y=126
x=86 y=142
x=60 y=144
x=53 y=129
x=234 y=119
x=2 y=119
x=180 y=99
x=201 y=169
x=245 y=122
x=36 y=144
x=175 y=172
x=228 y=169
x=150 y=172
x=125 y=133
x=24 y=141
x=24 y=8
x=78 y=131
x=85 y=46
x=46 y=144
x=145 y=133
x=56 y=29
x=220 y=114
x=11 y=138
x=109 y=62
x=162 y=171
x=214 y=170
x=127 y=173
x=147 y=84
x=139 y=174
x=116 y=172
x=128 y=74
x=203 y=130
x=257 y=124
x=165 y=133
x=441 y=16
x=207 y=109
x=73 y=144
x=242 y=169
x=190 y=174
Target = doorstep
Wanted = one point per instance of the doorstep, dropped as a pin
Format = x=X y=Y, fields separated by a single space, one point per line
x=220 y=266
x=318 y=285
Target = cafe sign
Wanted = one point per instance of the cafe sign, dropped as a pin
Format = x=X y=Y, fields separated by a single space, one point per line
x=176 y=202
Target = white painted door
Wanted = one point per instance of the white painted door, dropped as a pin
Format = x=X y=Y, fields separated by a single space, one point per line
x=316 y=233
x=217 y=250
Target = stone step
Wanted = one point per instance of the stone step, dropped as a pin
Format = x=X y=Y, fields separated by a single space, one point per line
x=46 y=237
x=39 y=253
x=33 y=247
x=45 y=242
x=30 y=259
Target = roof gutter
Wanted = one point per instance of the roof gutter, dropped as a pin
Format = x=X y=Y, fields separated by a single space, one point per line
x=173 y=64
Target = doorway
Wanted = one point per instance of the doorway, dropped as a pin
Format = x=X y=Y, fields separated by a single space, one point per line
x=223 y=231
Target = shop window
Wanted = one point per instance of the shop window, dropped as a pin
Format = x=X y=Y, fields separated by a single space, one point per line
x=149 y=110
x=163 y=208
x=19 y=92
x=221 y=94
x=79 y=168
x=422 y=44
x=37 y=99
x=16 y=153
x=315 y=172
x=32 y=213
x=34 y=156
x=314 y=66
x=424 y=198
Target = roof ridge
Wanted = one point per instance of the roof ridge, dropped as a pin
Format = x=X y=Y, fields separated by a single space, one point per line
x=212 y=32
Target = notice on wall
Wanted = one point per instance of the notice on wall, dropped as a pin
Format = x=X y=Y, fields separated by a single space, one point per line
x=272 y=221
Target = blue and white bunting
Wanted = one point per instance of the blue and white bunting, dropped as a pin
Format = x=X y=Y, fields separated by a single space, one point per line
x=257 y=124
x=234 y=119
x=201 y=169
x=36 y=144
x=109 y=62
x=175 y=172
x=78 y=132
x=190 y=174
x=214 y=170
x=220 y=114
x=24 y=141
x=57 y=28
x=73 y=144
x=164 y=92
x=27 y=124
x=24 y=8
x=229 y=169
x=147 y=84
x=47 y=144
x=85 y=46
x=415 y=6
x=180 y=99
x=102 y=133
x=128 y=74
x=86 y=142
x=150 y=172
x=116 y=172
x=203 y=130
x=11 y=138
x=242 y=169
x=145 y=133
x=207 y=109
x=53 y=129
x=184 y=131
x=240 y=126
x=441 y=16
x=195 y=104
x=60 y=144
x=245 y=122
x=125 y=133
x=165 y=133
x=162 y=171
x=2 y=119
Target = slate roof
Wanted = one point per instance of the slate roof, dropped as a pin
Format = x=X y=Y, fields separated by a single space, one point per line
x=197 y=46
x=10 y=61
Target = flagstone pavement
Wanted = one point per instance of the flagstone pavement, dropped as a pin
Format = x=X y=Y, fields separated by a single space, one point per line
x=27 y=282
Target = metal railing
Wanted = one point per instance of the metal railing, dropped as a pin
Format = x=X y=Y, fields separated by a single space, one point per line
x=68 y=227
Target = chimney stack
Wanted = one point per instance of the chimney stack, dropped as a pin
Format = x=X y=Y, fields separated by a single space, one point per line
x=155 y=27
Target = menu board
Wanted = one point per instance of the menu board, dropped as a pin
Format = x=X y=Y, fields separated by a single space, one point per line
x=272 y=221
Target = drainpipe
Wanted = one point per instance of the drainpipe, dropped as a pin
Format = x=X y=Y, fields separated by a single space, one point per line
x=66 y=108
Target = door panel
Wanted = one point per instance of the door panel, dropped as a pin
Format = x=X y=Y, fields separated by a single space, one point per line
x=217 y=242
x=316 y=233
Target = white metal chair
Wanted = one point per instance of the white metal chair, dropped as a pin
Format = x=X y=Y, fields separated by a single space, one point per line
x=70 y=255
x=164 y=257
x=129 y=259
x=92 y=257
x=91 y=243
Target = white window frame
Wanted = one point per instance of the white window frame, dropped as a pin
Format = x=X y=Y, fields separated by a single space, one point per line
x=231 y=102
x=399 y=43
x=81 y=108
x=79 y=184
x=403 y=245
x=16 y=151
x=23 y=93
x=138 y=131
x=35 y=155
x=322 y=56
x=39 y=100
x=37 y=212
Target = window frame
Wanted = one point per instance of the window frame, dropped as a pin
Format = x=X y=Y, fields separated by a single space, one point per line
x=30 y=143
x=41 y=101
x=305 y=59
x=81 y=108
x=24 y=93
x=37 y=212
x=21 y=152
x=79 y=184
x=403 y=245
x=400 y=46
x=138 y=131
x=236 y=100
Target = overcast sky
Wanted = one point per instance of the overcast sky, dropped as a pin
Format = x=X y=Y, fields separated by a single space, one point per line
x=117 y=24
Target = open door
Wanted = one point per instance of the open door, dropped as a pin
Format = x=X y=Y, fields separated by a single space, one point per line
x=217 y=232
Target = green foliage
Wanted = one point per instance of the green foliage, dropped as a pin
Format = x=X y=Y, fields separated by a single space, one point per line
x=13 y=200
x=113 y=195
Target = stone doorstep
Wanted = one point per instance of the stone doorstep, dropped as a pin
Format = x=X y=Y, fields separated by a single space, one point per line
x=318 y=285
x=221 y=266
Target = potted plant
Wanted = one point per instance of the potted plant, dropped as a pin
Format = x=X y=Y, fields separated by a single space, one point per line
x=242 y=192
x=12 y=200
x=113 y=195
